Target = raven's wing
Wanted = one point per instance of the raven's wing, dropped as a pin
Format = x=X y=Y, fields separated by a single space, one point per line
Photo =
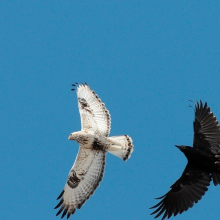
x=186 y=191
x=94 y=115
x=206 y=130
x=84 y=177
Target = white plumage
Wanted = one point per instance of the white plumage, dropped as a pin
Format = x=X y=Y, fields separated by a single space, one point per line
x=88 y=168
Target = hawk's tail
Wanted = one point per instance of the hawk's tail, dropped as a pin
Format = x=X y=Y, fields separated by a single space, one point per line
x=122 y=146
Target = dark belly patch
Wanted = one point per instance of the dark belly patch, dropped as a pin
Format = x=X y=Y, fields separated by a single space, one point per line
x=96 y=145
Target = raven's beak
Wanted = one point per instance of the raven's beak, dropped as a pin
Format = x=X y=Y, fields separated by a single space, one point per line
x=177 y=146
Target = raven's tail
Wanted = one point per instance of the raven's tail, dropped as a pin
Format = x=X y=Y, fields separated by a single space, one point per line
x=216 y=178
x=216 y=173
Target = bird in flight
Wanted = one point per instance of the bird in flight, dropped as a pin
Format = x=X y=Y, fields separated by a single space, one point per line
x=88 y=168
x=202 y=167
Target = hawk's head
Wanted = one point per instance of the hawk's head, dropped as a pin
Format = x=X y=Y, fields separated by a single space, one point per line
x=79 y=137
x=73 y=136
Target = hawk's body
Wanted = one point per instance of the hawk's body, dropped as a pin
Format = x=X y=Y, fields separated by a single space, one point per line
x=87 y=171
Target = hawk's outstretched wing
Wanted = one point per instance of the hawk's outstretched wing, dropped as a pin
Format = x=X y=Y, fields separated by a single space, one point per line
x=94 y=115
x=206 y=130
x=186 y=191
x=84 y=177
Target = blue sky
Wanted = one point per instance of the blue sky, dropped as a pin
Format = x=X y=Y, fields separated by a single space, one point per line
x=145 y=60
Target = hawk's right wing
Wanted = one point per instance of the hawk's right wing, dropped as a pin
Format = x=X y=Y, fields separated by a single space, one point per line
x=94 y=115
x=84 y=177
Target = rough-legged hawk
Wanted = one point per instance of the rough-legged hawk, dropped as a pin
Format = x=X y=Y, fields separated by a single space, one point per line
x=88 y=169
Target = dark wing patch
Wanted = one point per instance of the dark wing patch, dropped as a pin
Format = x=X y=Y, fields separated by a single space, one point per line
x=206 y=130
x=186 y=191
x=84 y=105
x=73 y=180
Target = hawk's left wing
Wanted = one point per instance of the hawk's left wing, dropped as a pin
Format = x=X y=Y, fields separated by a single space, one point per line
x=94 y=115
x=84 y=177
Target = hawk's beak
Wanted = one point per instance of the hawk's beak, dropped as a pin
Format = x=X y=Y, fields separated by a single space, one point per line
x=70 y=137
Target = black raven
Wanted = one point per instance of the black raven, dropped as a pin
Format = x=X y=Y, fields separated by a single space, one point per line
x=202 y=167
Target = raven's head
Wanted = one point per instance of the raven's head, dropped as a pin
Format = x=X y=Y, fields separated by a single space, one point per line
x=187 y=150
x=181 y=147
